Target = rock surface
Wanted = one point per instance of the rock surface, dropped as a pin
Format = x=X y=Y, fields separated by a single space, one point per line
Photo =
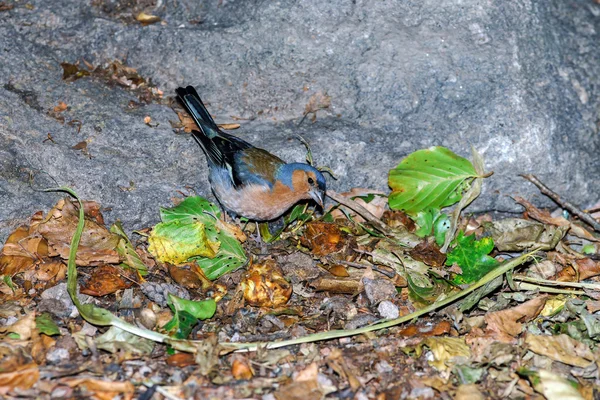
x=518 y=80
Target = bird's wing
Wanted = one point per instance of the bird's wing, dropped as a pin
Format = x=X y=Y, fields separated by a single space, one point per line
x=255 y=166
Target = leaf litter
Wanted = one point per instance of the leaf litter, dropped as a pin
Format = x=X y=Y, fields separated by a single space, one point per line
x=368 y=300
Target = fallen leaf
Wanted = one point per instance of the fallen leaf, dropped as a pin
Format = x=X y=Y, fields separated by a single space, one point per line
x=561 y=348
x=305 y=386
x=505 y=325
x=472 y=257
x=175 y=242
x=147 y=19
x=128 y=345
x=516 y=234
x=373 y=200
x=100 y=388
x=190 y=278
x=21 y=252
x=468 y=392
x=107 y=279
x=545 y=217
x=181 y=360
x=6 y=7
x=551 y=385
x=229 y=127
x=263 y=285
x=578 y=269
x=318 y=101
x=23 y=378
x=240 y=369
x=23 y=328
x=62 y=106
x=72 y=72
x=424 y=330
x=324 y=239
x=447 y=351
x=97 y=246
x=429 y=253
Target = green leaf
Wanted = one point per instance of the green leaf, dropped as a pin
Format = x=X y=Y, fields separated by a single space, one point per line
x=186 y=314
x=423 y=290
x=176 y=242
x=551 y=385
x=471 y=193
x=297 y=211
x=441 y=226
x=424 y=220
x=190 y=210
x=46 y=325
x=472 y=257
x=429 y=178
x=127 y=251
x=230 y=257
x=193 y=210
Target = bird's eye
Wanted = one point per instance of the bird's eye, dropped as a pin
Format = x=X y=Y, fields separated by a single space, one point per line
x=311 y=181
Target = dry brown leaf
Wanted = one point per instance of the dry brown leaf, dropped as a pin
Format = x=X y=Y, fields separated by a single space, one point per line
x=468 y=392
x=424 y=330
x=147 y=19
x=23 y=378
x=429 y=253
x=561 y=348
x=187 y=122
x=397 y=219
x=229 y=127
x=21 y=252
x=264 y=285
x=577 y=269
x=41 y=344
x=339 y=271
x=102 y=389
x=344 y=368
x=97 y=246
x=505 y=325
x=376 y=206
x=324 y=239
x=318 y=101
x=241 y=369
x=62 y=106
x=545 y=217
x=447 y=351
x=24 y=327
x=305 y=386
x=108 y=279
x=72 y=72
x=181 y=360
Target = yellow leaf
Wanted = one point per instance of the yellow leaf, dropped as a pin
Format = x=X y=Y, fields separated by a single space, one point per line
x=175 y=242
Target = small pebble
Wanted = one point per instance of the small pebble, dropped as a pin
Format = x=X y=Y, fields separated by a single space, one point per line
x=56 y=356
x=388 y=310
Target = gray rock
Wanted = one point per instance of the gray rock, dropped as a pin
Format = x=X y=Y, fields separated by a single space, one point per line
x=58 y=297
x=518 y=80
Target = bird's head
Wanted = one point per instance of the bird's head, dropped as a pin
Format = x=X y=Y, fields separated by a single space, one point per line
x=306 y=181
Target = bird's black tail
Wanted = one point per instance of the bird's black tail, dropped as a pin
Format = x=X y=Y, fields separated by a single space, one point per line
x=220 y=147
x=194 y=106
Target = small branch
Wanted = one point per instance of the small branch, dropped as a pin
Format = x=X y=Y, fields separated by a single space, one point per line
x=363 y=212
x=389 y=274
x=546 y=282
x=585 y=217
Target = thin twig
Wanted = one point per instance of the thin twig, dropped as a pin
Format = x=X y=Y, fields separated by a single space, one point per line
x=363 y=212
x=389 y=274
x=546 y=282
x=585 y=217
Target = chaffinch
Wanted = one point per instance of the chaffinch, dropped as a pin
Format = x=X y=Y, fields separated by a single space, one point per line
x=248 y=181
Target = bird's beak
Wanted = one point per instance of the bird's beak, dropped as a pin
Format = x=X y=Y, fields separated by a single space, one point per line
x=317 y=196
